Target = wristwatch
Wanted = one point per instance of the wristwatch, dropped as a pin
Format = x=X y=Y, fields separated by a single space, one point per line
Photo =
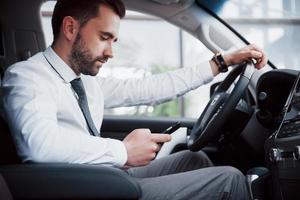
x=220 y=62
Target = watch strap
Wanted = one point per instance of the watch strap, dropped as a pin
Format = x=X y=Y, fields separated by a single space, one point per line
x=220 y=62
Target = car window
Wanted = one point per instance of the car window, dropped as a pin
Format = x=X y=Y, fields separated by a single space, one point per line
x=149 y=45
x=272 y=24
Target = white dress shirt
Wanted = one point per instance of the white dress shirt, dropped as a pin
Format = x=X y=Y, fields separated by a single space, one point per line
x=45 y=118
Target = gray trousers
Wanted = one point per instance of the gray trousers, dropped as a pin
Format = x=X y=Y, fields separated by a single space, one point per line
x=189 y=175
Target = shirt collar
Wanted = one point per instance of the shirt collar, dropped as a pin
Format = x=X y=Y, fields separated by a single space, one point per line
x=63 y=70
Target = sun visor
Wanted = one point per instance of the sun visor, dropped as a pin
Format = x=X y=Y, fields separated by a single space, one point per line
x=214 y=38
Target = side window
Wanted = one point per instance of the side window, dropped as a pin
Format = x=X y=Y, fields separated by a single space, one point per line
x=149 y=45
x=272 y=24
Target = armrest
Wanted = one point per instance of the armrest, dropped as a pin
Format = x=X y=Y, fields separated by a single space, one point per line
x=69 y=181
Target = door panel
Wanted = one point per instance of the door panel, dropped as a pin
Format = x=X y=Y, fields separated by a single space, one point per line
x=119 y=126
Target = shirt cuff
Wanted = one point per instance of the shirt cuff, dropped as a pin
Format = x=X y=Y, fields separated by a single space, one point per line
x=119 y=152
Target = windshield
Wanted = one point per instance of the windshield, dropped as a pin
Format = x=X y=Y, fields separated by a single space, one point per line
x=273 y=25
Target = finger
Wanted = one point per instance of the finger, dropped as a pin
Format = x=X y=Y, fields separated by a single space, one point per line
x=262 y=63
x=255 y=47
x=152 y=156
x=154 y=147
x=254 y=50
x=143 y=131
x=254 y=54
x=160 y=138
x=147 y=130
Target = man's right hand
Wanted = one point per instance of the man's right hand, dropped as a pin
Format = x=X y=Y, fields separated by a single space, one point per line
x=142 y=145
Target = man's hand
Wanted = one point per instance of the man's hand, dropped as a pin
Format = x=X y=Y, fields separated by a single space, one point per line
x=142 y=145
x=249 y=52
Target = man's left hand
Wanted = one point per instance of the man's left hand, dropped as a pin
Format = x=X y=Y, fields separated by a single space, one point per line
x=249 y=52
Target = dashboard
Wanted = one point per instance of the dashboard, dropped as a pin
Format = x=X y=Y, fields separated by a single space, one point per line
x=273 y=89
x=279 y=110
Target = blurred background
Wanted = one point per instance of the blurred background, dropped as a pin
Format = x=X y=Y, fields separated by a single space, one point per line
x=149 y=45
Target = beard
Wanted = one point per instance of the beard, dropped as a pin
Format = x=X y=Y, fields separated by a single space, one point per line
x=81 y=59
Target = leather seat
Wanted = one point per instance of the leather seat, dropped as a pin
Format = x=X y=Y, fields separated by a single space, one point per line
x=8 y=153
x=61 y=181
x=4 y=191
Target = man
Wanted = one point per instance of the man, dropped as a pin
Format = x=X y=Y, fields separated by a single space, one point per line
x=54 y=104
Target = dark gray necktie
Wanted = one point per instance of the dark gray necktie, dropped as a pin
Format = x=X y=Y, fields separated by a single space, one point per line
x=77 y=85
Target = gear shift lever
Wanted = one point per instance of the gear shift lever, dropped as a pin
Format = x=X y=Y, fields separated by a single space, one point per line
x=256 y=178
x=263 y=115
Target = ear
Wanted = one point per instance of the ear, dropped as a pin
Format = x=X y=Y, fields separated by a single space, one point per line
x=70 y=27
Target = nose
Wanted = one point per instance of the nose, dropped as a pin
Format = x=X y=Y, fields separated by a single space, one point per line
x=109 y=51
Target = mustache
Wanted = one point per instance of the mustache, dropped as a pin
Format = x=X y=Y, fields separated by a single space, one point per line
x=102 y=59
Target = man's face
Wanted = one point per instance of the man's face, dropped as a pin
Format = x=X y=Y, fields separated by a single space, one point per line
x=93 y=44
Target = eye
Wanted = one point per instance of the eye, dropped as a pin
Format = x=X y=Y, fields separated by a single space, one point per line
x=103 y=37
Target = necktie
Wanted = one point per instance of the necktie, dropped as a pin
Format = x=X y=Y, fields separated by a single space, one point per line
x=77 y=85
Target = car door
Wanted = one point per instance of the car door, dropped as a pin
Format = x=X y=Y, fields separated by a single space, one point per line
x=154 y=40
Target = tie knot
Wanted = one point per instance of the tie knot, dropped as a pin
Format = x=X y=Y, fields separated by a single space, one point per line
x=76 y=81
x=77 y=85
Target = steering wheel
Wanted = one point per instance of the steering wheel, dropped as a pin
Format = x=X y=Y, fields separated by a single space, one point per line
x=220 y=106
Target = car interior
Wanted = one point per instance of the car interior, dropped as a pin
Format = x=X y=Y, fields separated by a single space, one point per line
x=251 y=121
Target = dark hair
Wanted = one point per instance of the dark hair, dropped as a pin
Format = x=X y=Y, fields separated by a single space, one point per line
x=82 y=10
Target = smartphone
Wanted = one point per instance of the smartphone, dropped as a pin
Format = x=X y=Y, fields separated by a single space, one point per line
x=172 y=128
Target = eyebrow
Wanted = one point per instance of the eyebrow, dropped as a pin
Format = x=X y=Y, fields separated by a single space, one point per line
x=110 y=35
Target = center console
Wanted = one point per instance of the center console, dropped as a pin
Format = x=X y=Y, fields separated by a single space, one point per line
x=282 y=149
